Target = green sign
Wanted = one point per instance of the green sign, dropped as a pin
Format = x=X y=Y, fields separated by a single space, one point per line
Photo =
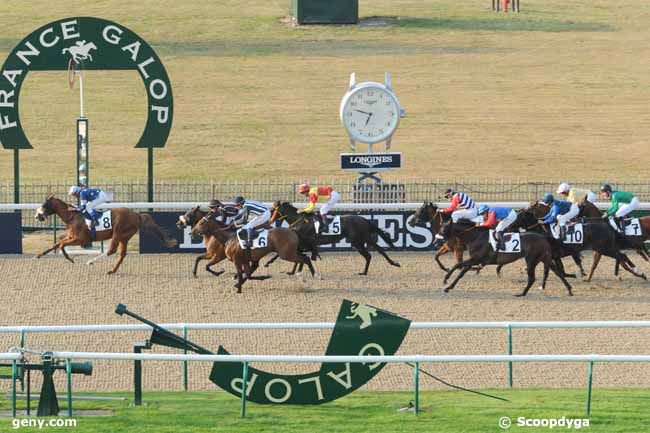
x=91 y=44
x=360 y=330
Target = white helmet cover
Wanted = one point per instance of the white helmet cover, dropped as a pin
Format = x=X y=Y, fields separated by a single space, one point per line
x=74 y=190
x=563 y=188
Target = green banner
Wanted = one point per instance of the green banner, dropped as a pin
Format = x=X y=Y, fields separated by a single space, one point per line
x=90 y=44
x=360 y=330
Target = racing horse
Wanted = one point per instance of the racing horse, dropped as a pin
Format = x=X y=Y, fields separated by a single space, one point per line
x=599 y=237
x=429 y=213
x=125 y=224
x=283 y=241
x=534 y=248
x=215 y=252
x=357 y=230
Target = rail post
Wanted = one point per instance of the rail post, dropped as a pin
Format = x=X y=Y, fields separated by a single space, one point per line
x=589 y=385
x=54 y=228
x=510 y=353
x=416 y=380
x=68 y=374
x=14 y=374
x=22 y=346
x=185 y=386
x=244 y=387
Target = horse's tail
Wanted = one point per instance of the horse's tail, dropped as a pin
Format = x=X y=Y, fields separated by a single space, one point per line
x=382 y=234
x=148 y=224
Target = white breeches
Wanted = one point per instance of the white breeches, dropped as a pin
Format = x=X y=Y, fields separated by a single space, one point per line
x=101 y=198
x=468 y=214
x=334 y=198
x=505 y=223
x=627 y=208
x=258 y=220
x=565 y=218
x=591 y=196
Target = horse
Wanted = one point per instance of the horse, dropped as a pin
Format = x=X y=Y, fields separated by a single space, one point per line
x=280 y=240
x=126 y=223
x=534 y=248
x=429 y=213
x=599 y=237
x=215 y=252
x=357 y=230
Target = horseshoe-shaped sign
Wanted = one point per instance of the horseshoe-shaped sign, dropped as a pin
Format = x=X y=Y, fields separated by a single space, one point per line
x=360 y=330
x=93 y=44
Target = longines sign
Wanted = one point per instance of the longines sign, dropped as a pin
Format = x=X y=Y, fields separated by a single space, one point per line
x=371 y=162
x=92 y=44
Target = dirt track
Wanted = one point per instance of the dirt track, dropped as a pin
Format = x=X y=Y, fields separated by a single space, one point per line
x=50 y=291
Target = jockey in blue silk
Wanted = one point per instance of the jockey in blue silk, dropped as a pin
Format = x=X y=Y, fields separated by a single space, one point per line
x=251 y=214
x=497 y=218
x=561 y=211
x=89 y=199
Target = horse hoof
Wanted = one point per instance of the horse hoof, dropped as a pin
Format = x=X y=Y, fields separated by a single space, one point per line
x=89 y=263
x=446 y=290
x=110 y=272
x=362 y=273
x=540 y=288
x=318 y=277
x=291 y=273
x=397 y=265
x=520 y=295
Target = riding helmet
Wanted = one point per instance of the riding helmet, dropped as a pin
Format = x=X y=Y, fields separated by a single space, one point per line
x=548 y=198
x=483 y=208
x=74 y=190
x=239 y=200
x=449 y=192
x=563 y=188
x=606 y=188
x=304 y=188
x=214 y=204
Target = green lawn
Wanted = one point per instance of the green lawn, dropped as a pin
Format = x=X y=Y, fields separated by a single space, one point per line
x=613 y=410
x=544 y=93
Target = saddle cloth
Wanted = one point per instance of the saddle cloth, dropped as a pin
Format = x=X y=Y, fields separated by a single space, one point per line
x=260 y=238
x=575 y=234
x=512 y=241
x=632 y=226
x=105 y=222
x=334 y=227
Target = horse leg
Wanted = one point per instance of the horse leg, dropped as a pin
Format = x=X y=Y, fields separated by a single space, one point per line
x=366 y=255
x=216 y=259
x=460 y=275
x=292 y=271
x=531 y=264
x=545 y=278
x=196 y=263
x=629 y=266
x=123 y=246
x=594 y=264
x=442 y=251
x=274 y=258
x=559 y=264
x=307 y=261
x=561 y=276
x=577 y=258
x=240 y=277
x=499 y=267
x=381 y=251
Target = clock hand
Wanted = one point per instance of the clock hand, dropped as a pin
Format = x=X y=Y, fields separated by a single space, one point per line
x=364 y=112
x=368 y=119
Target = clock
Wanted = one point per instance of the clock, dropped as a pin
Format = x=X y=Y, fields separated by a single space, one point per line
x=370 y=111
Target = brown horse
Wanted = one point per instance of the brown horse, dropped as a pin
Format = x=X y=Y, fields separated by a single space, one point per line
x=215 y=251
x=283 y=241
x=126 y=223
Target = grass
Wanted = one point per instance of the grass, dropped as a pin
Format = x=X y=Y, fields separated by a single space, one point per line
x=544 y=93
x=613 y=410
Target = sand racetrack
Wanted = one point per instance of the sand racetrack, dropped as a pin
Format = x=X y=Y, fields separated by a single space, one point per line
x=51 y=291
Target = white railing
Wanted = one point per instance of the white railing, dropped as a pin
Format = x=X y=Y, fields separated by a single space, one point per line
x=340 y=206
x=323 y=325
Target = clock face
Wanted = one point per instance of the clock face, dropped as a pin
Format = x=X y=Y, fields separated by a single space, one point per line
x=370 y=114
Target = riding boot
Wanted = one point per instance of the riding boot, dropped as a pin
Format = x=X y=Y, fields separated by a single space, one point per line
x=324 y=225
x=249 y=238
x=620 y=222
x=563 y=230
x=501 y=242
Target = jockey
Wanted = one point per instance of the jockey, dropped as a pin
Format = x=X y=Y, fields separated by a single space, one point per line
x=89 y=198
x=250 y=214
x=623 y=203
x=575 y=195
x=223 y=212
x=497 y=218
x=462 y=206
x=319 y=194
x=561 y=211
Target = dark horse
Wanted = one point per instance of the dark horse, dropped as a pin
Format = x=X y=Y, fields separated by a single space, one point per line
x=429 y=213
x=125 y=222
x=534 y=248
x=360 y=232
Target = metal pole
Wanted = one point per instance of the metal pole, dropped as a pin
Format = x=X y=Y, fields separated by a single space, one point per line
x=590 y=382
x=29 y=391
x=416 y=374
x=137 y=378
x=14 y=373
x=16 y=176
x=510 y=353
x=150 y=174
x=185 y=387
x=68 y=373
x=22 y=346
x=54 y=228
x=81 y=94
x=244 y=389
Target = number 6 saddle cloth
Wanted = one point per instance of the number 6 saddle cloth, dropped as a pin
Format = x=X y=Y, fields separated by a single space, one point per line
x=260 y=238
